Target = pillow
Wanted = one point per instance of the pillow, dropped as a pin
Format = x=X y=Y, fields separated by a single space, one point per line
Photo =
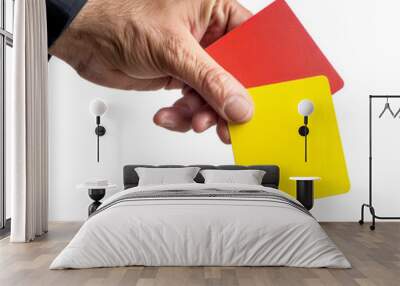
x=248 y=177
x=165 y=176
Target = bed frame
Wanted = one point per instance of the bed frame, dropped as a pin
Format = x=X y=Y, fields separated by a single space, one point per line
x=270 y=179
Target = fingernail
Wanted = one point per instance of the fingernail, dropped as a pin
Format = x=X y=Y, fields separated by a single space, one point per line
x=238 y=109
x=167 y=123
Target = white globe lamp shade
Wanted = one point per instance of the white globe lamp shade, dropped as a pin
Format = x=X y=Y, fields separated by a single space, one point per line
x=306 y=107
x=97 y=107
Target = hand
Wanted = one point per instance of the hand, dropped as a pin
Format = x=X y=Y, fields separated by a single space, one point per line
x=154 y=44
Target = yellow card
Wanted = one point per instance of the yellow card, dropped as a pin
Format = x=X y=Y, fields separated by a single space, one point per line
x=272 y=136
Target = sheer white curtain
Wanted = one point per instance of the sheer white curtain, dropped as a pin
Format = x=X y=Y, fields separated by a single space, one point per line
x=27 y=162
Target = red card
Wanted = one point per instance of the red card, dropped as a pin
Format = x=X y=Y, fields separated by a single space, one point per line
x=272 y=46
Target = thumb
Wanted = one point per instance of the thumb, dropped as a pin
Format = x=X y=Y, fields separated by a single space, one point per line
x=191 y=64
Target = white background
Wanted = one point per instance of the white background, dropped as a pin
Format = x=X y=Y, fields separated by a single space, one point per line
x=360 y=37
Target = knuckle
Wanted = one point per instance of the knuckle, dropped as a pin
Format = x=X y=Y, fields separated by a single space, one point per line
x=214 y=82
x=175 y=55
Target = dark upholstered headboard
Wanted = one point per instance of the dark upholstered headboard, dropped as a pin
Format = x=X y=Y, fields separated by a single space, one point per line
x=271 y=177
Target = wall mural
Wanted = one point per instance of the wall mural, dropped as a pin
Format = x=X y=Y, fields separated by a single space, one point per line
x=272 y=47
x=274 y=56
x=272 y=135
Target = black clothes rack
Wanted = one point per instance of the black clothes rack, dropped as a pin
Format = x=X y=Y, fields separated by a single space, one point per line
x=370 y=205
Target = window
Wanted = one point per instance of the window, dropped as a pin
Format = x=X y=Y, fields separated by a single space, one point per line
x=6 y=44
x=9 y=19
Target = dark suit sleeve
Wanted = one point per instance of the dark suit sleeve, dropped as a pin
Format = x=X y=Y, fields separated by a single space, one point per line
x=60 y=14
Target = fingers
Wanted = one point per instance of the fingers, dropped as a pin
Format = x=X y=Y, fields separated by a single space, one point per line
x=223 y=131
x=204 y=119
x=174 y=118
x=173 y=83
x=191 y=99
x=237 y=15
x=226 y=16
x=191 y=64
x=215 y=92
x=191 y=112
x=199 y=114
x=179 y=116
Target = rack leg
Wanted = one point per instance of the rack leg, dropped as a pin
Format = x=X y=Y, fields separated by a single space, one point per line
x=372 y=210
x=361 y=221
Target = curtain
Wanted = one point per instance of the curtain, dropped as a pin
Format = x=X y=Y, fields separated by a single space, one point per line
x=26 y=118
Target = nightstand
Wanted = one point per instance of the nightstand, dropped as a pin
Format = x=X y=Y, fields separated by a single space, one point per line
x=96 y=193
x=305 y=190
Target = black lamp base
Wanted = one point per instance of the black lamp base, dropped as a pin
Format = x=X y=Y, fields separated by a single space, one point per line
x=100 y=130
x=304 y=131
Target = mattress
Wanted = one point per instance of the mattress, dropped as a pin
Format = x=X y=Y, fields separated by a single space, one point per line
x=201 y=225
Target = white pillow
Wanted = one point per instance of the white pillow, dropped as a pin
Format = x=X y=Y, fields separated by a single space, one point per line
x=247 y=177
x=165 y=176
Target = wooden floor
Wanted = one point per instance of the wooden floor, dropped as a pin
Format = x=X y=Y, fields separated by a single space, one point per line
x=375 y=257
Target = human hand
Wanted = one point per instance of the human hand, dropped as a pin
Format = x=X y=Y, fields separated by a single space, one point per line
x=154 y=44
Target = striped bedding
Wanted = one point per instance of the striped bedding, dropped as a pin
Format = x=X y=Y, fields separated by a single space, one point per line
x=201 y=225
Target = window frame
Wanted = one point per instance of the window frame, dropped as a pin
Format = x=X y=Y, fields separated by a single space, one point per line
x=6 y=39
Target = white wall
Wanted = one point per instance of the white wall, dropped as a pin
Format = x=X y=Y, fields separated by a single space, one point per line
x=360 y=38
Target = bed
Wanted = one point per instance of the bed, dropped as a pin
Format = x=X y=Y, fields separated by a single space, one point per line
x=199 y=224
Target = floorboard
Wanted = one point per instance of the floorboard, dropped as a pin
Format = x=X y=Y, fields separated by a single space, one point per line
x=375 y=257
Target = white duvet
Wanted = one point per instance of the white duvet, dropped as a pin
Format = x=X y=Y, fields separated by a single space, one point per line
x=200 y=231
